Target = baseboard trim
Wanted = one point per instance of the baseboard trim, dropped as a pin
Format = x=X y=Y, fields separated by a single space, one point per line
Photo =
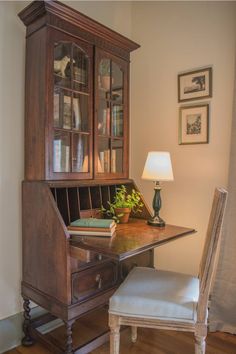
x=11 y=329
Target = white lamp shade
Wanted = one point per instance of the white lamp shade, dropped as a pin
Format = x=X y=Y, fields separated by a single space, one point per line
x=158 y=167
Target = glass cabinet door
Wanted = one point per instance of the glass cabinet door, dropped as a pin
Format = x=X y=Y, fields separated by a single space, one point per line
x=72 y=112
x=111 y=121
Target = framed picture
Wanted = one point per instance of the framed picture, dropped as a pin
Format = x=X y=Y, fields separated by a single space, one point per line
x=194 y=124
x=195 y=85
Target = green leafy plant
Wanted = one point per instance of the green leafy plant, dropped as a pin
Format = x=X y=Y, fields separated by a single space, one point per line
x=123 y=200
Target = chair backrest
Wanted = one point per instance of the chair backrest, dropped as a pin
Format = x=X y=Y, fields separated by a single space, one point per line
x=208 y=261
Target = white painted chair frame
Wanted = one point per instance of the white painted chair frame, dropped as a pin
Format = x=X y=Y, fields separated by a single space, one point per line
x=207 y=267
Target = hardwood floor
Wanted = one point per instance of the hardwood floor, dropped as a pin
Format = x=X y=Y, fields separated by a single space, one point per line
x=155 y=342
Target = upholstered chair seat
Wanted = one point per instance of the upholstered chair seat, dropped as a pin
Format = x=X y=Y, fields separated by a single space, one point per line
x=149 y=294
x=167 y=300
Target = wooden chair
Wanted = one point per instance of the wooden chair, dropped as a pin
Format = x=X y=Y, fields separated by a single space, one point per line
x=168 y=300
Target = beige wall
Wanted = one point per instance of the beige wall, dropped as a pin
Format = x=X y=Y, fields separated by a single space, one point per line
x=178 y=36
x=174 y=37
x=11 y=156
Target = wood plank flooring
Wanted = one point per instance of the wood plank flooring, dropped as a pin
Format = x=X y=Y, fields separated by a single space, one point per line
x=155 y=342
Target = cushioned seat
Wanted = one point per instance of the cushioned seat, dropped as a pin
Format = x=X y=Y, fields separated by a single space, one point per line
x=148 y=293
x=167 y=300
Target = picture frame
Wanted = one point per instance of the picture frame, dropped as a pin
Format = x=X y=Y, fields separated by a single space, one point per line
x=194 y=85
x=194 y=124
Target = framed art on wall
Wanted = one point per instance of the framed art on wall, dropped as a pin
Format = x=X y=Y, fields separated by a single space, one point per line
x=195 y=85
x=194 y=124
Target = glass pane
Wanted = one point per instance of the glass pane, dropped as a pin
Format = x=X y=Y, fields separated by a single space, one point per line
x=103 y=155
x=61 y=152
x=62 y=109
x=80 y=69
x=117 y=83
x=117 y=156
x=104 y=118
x=117 y=120
x=80 y=153
x=62 y=64
x=104 y=79
x=80 y=112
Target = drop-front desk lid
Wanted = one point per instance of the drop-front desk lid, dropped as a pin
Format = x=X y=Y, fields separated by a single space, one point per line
x=131 y=238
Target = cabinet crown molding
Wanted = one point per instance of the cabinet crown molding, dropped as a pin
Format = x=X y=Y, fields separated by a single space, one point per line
x=43 y=9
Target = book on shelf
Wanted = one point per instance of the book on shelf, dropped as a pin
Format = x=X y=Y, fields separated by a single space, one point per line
x=66 y=112
x=65 y=158
x=106 y=160
x=101 y=162
x=113 y=160
x=76 y=113
x=57 y=155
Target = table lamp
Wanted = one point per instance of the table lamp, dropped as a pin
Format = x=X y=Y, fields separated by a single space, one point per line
x=157 y=168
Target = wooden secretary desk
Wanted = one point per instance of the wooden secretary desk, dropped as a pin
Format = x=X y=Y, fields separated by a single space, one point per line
x=76 y=154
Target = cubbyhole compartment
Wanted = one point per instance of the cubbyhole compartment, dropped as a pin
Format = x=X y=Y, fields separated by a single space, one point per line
x=62 y=204
x=112 y=192
x=73 y=203
x=105 y=192
x=85 y=198
x=95 y=197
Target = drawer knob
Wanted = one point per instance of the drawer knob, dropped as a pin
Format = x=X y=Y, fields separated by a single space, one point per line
x=99 y=280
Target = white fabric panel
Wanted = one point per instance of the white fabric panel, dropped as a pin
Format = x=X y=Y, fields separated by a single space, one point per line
x=151 y=293
x=222 y=314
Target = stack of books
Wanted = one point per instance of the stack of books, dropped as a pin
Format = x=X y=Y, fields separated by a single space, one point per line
x=92 y=227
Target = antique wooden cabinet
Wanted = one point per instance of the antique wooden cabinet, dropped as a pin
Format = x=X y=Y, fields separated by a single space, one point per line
x=76 y=154
x=76 y=96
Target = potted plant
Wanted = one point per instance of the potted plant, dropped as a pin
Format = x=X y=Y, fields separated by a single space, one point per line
x=123 y=204
x=104 y=72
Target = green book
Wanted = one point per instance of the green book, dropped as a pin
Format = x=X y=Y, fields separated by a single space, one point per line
x=93 y=222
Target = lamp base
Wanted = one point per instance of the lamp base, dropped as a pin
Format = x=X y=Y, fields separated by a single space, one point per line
x=156 y=221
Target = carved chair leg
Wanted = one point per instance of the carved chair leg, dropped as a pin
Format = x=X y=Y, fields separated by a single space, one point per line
x=200 y=344
x=27 y=340
x=69 y=343
x=115 y=334
x=133 y=334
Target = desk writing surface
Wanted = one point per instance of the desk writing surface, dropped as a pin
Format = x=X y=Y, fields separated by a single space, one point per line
x=131 y=238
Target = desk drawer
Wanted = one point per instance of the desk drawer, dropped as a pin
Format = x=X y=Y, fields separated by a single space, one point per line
x=94 y=280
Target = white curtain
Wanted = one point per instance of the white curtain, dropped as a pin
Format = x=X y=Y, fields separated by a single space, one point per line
x=222 y=315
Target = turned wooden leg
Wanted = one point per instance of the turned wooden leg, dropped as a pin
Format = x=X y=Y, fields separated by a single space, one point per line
x=200 y=344
x=69 y=346
x=27 y=340
x=133 y=334
x=115 y=334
